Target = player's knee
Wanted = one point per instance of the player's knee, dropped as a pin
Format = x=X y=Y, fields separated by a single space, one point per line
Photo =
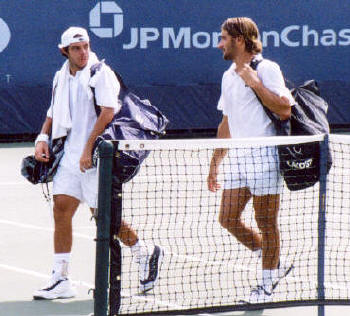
x=266 y=223
x=61 y=212
x=229 y=223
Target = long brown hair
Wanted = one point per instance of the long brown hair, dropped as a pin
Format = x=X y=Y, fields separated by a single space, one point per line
x=246 y=28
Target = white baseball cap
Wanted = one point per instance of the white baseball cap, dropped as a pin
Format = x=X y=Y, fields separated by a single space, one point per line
x=73 y=35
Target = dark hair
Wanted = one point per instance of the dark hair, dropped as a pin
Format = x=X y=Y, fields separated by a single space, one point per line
x=66 y=50
x=246 y=28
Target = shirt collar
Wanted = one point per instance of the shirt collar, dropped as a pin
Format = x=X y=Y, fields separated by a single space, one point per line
x=233 y=66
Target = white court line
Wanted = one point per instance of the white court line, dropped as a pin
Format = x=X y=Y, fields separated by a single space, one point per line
x=14 y=183
x=24 y=271
x=145 y=298
x=87 y=285
x=214 y=263
x=40 y=275
x=189 y=258
x=28 y=226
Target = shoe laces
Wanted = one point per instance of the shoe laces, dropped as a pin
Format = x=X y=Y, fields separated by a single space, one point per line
x=260 y=290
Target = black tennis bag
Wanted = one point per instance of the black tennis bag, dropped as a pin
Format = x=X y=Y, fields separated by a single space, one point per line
x=137 y=119
x=43 y=172
x=300 y=163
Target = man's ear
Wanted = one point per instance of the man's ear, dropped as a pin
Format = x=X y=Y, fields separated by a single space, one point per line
x=240 y=39
x=64 y=52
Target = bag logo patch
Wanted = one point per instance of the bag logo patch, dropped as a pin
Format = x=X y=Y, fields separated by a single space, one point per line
x=307 y=164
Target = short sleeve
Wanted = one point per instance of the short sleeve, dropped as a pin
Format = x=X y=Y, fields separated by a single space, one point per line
x=107 y=88
x=221 y=105
x=272 y=78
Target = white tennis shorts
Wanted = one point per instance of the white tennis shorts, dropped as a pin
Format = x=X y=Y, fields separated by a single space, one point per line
x=254 y=168
x=82 y=186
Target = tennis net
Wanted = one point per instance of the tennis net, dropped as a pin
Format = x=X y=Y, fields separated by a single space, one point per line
x=205 y=268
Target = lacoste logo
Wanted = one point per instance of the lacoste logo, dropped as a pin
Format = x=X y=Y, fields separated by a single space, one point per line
x=294 y=151
x=300 y=165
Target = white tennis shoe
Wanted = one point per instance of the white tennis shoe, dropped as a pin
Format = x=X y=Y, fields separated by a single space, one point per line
x=284 y=268
x=259 y=295
x=61 y=288
x=149 y=269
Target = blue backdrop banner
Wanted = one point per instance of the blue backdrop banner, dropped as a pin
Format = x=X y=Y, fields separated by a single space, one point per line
x=166 y=50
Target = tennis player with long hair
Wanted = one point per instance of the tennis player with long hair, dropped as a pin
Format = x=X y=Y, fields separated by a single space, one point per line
x=253 y=173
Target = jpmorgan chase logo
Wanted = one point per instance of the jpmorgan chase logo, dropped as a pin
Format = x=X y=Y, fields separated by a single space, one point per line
x=5 y=35
x=104 y=8
x=187 y=37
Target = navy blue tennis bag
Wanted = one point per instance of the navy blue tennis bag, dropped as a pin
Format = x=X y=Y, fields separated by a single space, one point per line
x=137 y=119
x=300 y=164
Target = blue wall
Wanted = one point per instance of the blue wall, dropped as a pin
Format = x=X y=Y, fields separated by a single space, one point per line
x=157 y=43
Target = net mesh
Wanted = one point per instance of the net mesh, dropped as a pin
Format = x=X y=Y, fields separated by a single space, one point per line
x=204 y=266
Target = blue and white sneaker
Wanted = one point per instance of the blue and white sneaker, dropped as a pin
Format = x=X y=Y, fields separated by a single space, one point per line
x=149 y=269
x=284 y=268
x=61 y=288
x=259 y=295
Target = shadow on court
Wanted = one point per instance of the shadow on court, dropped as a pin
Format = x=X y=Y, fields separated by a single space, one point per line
x=46 y=308
x=253 y=313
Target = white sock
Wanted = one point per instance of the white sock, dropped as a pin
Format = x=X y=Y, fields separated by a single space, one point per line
x=138 y=251
x=258 y=253
x=268 y=278
x=60 y=265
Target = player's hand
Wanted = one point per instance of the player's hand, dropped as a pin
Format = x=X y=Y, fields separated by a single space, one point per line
x=42 y=152
x=249 y=76
x=85 y=160
x=212 y=182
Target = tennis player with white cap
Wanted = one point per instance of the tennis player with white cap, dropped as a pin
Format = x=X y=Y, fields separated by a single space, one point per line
x=72 y=115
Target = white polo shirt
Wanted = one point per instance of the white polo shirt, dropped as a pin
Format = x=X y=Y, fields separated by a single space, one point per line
x=246 y=116
x=83 y=112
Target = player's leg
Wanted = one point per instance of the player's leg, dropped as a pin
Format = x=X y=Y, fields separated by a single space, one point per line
x=67 y=196
x=59 y=285
x=233 y=203
x=64 y=209
x=149 y=258
x=266 y=215
x=127 y=235
x=266 y=184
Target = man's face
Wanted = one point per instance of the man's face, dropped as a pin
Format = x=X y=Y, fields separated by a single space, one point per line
x=228 y=45
x=78 y=55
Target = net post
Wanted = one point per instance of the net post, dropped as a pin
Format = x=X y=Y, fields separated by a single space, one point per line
x=116 y=255
x=105 y=151
x=322 y=225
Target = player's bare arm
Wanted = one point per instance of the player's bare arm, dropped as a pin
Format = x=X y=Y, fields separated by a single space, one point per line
x=277 y=104
x=42 y=148
x=218 y=156
x=103 y=119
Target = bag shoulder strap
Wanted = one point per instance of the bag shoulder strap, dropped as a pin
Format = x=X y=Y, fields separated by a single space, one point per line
x=282 y=127
x=254 y=65
x=96 y=67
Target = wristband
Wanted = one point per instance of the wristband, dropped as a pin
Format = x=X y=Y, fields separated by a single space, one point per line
x=42 y=138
